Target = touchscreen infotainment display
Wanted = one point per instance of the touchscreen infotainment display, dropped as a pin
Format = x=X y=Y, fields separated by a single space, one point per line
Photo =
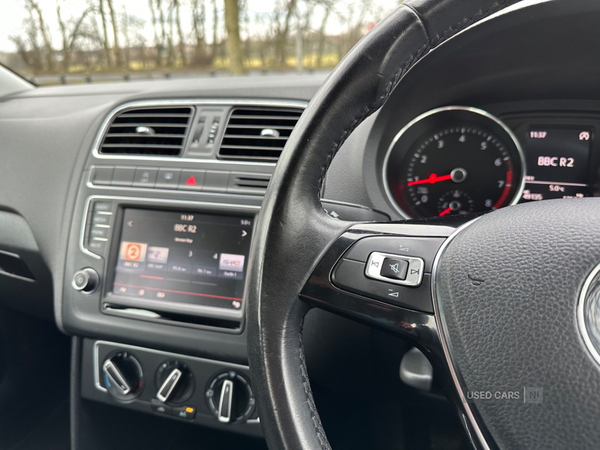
x=183 y=257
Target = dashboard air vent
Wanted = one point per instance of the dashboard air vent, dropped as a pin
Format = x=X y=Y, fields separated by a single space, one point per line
x=148 y=131
x=249 y=183
x=258 y=134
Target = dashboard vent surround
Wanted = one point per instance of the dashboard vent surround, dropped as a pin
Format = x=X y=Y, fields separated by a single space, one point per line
x=158 y=131
x=258 y=134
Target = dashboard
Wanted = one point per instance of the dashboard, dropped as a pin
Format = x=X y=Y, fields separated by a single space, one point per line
x=133 y=206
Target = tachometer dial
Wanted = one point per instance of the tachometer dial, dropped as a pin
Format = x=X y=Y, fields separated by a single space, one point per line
x=452 y=161
x=455 y=201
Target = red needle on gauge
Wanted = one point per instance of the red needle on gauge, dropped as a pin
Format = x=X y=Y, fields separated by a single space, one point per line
x=446 y=211
x=433 y=178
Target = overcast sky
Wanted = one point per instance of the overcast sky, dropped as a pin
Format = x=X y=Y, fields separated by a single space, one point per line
x=13 y=13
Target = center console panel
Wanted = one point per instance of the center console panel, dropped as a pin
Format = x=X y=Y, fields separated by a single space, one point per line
x=187 y=389
x=157 y=257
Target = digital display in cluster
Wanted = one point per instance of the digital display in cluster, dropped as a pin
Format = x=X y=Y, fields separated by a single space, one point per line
x=557 y=163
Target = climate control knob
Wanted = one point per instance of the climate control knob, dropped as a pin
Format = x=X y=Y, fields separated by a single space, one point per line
x=175 y=382
x=123 y=376
x=230 y=397
x=85 y=280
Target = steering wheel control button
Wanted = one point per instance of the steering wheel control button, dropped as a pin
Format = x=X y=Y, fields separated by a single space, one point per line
x=394 y=268
x=406 y=271
x=86 y=280
x=145 y=177
x=416 y=247
x=350 y=276
x=359 y=213
x=168 y=178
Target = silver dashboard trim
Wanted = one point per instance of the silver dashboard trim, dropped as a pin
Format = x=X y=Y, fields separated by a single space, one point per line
x=186 y=102
x=105 y=187
x=581 y=312
x=446 y=344
x=416 y=266
x=481 y=112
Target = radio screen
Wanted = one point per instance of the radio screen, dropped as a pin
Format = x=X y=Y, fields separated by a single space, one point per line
x=183 y=257
x=557 y=163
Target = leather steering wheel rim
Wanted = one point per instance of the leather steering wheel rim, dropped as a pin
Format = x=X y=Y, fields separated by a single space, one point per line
x=293 y=231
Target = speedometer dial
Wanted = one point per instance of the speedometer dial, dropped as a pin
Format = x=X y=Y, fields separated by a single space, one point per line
x=453 y=161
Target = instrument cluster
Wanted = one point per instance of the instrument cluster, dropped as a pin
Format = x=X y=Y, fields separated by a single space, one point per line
x=460 y=160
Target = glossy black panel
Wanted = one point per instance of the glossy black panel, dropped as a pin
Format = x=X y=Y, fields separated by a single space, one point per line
x=320 y=291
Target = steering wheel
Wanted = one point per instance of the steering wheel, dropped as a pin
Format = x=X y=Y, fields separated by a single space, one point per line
x=503 y=305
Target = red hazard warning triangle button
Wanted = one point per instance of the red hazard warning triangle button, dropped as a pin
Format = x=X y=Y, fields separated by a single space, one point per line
x=192 y=180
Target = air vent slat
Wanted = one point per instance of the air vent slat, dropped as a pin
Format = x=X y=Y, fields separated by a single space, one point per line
x=248 y=182
x=258 y=133
x=269 y=142
x=253 y=158
x=252 y=117
x=148 y=131
x=127 y=115
x=153 y=136
x=153 y=120
x=278 y=148
x=145 y=145
x=257 y=127
x=155 y=125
